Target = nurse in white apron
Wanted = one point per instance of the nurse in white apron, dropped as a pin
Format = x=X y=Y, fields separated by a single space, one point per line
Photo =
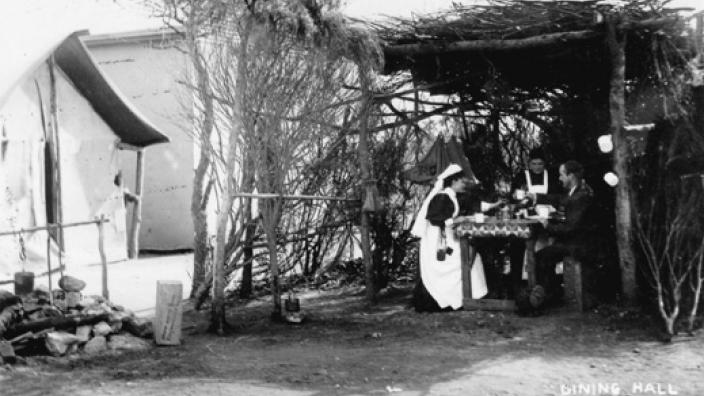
x=441 y=273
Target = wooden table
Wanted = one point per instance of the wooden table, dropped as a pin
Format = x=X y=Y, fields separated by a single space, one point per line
x=466 y=230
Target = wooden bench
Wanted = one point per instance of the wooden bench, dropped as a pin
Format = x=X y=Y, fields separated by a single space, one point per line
x=573 y=284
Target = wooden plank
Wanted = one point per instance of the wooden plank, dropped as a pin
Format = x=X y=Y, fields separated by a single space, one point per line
x=56 y=322
x=488 y=304
x=169 y=312
x=639 y=128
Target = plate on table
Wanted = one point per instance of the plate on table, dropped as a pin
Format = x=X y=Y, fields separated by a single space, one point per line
x=539 y=218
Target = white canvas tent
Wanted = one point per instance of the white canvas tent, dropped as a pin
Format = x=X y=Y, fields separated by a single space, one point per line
x=61 y=126
x=147 y=66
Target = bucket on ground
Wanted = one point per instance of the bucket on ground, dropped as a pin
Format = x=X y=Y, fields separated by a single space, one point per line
x=24 y=283
x=169 y=312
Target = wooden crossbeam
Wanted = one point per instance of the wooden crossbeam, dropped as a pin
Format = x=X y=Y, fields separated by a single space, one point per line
x=52 y=226
x=487 y=45
x=292 y=197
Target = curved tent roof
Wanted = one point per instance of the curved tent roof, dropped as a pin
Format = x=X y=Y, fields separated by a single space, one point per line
x=73 y=58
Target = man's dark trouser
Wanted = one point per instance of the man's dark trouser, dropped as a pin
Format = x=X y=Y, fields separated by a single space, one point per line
x=546 y=260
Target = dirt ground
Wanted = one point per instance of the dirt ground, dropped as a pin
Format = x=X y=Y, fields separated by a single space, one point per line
x=343 y=349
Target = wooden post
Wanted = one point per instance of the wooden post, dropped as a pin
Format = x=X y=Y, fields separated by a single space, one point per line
x=103 y=258
x=616 y=43
x=169 y=313
x=467 y=255
x=364 y=162
x=133 y=240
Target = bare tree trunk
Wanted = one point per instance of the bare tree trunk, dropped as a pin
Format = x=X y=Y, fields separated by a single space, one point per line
x=669 y=318
x=696 y=283
x=616 y=41
x=217 y=316
x=218 y=323
x=250 y=228
x=200 y=194
x=364 y=163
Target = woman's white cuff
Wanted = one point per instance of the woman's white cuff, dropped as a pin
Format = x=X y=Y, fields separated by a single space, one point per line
x=449 y=222
x=485 y=206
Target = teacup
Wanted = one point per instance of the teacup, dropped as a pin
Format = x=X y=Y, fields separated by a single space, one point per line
x=479 y=217
x=542 y=211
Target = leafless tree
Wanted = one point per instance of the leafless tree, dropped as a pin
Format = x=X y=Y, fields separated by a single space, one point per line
x=270 y=94
x=673 y=249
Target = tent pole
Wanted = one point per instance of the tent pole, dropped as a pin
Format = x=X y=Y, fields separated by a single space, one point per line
x=133 y=244
x=56 y=158
x=616 y=42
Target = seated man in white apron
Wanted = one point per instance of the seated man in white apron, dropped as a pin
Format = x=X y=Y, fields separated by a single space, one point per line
x=536 y=179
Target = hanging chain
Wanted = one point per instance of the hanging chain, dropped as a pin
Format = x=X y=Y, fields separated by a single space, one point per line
x=23 y=252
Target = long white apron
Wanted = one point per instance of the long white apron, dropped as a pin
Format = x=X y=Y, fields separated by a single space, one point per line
x=443 y=279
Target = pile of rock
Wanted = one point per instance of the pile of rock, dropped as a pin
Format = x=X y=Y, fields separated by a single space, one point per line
x=65 y=322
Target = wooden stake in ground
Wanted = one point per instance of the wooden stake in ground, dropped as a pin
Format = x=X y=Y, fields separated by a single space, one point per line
x=103 y=258
x=48 y=264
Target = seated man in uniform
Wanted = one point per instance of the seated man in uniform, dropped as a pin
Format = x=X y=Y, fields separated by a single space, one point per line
x=570 y=231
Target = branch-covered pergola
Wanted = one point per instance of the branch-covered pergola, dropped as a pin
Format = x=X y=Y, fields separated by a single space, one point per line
x=598 y=50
